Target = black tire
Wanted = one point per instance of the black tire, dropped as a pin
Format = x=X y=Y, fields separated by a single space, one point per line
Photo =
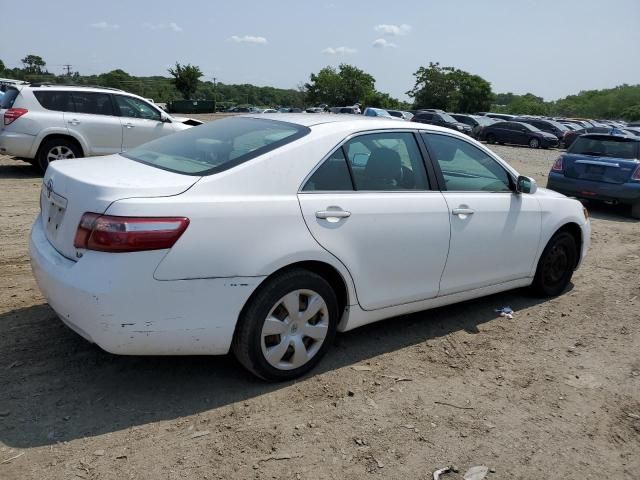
x=247 y=342
x=535 y=142
x=635 y=210
x=491 y=138
x=556 y=265
x=66 y=147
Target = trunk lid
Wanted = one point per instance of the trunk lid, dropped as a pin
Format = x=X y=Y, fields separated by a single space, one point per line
x=72 y=187
x=598 y=168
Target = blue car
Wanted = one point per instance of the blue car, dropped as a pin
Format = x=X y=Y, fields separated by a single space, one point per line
x=600 y=167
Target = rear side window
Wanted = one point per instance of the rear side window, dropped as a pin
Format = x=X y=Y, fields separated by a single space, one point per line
x=94 y=103
x=332 y=176
x=58 y=101
x=216 y=146
x=8 y=98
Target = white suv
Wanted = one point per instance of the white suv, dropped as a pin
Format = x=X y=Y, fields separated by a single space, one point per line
x=47 y=122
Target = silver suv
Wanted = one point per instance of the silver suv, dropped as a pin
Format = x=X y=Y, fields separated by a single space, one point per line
x=46 y=122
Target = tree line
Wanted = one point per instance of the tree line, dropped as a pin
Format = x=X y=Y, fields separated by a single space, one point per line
x=435 y=86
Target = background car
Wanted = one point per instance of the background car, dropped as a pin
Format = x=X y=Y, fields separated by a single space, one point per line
x=545 y=125
x=128 y=249
x=379 y=112
x=43 y=123
x=518 y=133
x=600 y=167
x=571 y=136
x=441 y=119
x=401 y=114
x=476 y=122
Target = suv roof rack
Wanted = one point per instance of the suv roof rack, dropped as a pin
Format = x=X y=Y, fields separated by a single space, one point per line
x=41 y=84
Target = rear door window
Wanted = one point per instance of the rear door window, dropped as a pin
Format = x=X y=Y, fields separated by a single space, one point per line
x=93 y=103
x=332 y=176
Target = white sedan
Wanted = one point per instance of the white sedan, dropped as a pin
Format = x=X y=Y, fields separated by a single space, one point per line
x=266 y=234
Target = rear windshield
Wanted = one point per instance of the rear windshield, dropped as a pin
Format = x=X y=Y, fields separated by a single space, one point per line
x=216 y=146
x=6 y=101
x=604 y=147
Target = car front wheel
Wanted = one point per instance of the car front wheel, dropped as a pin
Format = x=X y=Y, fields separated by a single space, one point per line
x=534 y=143
x=556 y=265
x=287 y=326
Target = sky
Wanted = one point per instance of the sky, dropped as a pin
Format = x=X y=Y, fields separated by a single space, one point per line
x=551 y=48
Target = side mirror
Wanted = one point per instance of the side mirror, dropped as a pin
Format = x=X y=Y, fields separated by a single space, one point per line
x=526 y=185
x=164 y=118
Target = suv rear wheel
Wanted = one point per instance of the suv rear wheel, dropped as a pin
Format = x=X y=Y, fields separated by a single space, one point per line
x=57 y=148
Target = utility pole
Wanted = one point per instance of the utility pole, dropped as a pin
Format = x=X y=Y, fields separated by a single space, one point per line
x=67 y=67
x=214 y=95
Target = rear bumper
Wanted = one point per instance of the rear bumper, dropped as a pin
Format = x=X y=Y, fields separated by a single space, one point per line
x=626 y=193
x=16 y=144
x=112 y=300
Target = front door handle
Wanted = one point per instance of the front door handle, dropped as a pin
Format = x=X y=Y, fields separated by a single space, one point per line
x=129 y=125
x=330 y=214
x=74 y=122
x=463 y=211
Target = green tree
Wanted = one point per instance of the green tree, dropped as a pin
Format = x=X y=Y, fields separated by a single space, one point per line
x=528 y=104
x=2 y=67
x=451 y=89
x=631 y=114
x=186 y=79
x=33 y=64
x=346 y=86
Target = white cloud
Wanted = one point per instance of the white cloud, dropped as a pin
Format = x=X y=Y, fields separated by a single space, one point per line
x=105 y=26
x=339 y=50
x=248 y=39
x=174 y=27
x=393 y=30
x=383 y=43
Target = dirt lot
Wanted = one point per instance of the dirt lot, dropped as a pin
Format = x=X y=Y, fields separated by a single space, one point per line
x=553 y=393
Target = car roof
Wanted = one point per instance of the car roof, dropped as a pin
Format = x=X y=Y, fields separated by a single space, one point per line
x=607 y=136
x=82 y=88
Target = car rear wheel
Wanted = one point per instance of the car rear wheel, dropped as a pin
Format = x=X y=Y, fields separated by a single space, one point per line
x=56 y=149
x=287 y=326
x=534 y=143
x=556 y=265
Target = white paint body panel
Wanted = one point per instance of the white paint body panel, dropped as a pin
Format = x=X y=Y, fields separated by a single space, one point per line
x=250 y=221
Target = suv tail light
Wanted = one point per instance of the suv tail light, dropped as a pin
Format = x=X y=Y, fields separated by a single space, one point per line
x=106 y=233
x=636 y=174
x=557 y=165
x=13 y=114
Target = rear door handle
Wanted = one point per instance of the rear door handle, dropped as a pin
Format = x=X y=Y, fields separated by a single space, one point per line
x=463 y=211
x=327 y=214
x=129 y=125
x=74 y=122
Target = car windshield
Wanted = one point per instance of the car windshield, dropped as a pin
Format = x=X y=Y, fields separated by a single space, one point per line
x=216 y=146
x=447 y=118
x=484 y=121
x=558 y=125
x=604 y=147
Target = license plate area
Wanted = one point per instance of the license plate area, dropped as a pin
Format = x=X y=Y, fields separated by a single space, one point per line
x=54 y=208
x=595 y=170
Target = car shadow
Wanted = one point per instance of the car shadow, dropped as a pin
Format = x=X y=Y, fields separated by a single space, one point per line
x=19 y=170
x=613 y=213
x=57 y=387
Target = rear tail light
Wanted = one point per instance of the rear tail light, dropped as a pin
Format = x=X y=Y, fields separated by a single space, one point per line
x=106 y=233
x=13 y=114
x=636 y=174
x=557 y=165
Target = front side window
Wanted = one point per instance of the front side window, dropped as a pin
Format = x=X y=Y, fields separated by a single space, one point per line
x=465 y=167
x=386 y=161
x=216 y=146
x=93 y=103
x=134 y=108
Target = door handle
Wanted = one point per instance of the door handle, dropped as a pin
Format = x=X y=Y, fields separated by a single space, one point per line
x=327 y=214
x=74 y=122
x=463 y=211
x=129 y=125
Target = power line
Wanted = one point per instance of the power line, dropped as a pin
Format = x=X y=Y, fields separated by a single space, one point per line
x=67 y=67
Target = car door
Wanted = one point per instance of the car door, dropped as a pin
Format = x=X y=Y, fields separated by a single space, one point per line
x=503 y=131
x=141 y=122
x=494 y=231
x=370 y=205
x=95 y=121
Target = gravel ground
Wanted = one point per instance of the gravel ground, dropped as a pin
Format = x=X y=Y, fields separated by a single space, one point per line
x=553 y=393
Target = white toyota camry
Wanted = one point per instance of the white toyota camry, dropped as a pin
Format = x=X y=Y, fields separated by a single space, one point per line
x=264 y=235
